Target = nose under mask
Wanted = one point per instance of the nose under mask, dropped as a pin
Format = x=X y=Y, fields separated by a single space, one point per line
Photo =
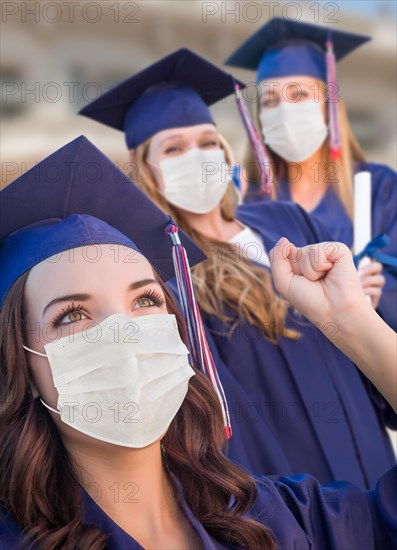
x=195 y=181
x=122 y=381
x=294 y=130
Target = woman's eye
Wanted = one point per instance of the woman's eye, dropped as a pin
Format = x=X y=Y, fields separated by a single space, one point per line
x=213 y=143
x=266 y=103
x=145 y=302
x=74 y=317
x=171 y=150
x=153 y=299
x=301 y=94
x=69 y=316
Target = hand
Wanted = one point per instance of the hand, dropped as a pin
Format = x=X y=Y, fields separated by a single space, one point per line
x=372 y=281
x=319 y=280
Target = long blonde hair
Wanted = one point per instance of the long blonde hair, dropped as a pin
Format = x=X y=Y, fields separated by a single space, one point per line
x=339 y=171
x=223 y=281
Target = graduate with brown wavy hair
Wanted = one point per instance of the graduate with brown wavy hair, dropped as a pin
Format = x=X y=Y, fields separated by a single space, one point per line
x=106 y=429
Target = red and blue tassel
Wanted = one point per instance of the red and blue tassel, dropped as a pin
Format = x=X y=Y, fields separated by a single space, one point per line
x=333 y=101
x=256 y=142
x=197 y=341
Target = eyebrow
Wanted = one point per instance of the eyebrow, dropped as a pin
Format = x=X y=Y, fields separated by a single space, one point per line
x=175 y=136
x=169 y=138
x=82 y=297
x=300 y=87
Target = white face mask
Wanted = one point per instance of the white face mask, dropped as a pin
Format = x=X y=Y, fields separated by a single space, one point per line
x=122 y=381
x=294 y=130
x=195 y=181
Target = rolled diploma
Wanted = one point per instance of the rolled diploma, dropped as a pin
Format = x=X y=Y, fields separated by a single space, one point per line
x=362 y=214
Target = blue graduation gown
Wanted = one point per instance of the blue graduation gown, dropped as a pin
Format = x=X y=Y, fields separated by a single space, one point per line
x=384 y=220
x=301 y=514
x=300 y=406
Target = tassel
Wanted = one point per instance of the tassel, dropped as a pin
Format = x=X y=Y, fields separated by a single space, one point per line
x=333 y=102
x=197 y=341
x=258 y=148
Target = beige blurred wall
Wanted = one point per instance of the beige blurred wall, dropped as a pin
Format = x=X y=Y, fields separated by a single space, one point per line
x=58 y=55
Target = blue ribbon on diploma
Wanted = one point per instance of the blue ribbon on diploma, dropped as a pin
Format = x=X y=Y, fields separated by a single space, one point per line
x=371 y=251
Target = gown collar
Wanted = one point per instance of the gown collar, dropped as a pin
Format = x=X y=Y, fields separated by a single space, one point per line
x=118 y=538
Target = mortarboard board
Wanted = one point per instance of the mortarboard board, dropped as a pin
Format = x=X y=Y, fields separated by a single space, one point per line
x=171 y=93
x=284 y=48
x=36 y=211
x=78 y=197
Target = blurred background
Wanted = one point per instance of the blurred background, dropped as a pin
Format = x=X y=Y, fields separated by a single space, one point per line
x=57 y=56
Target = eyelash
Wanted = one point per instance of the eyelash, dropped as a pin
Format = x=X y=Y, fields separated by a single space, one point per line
x=152 y=295
x=268 y=101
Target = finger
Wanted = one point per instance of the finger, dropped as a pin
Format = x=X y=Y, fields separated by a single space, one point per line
x=319 y=257
x=311 y=267
x=374 y=268
x=341 y=257
x=280 y=265
x=336 y=252
x=373 y=291
x=294 y=255
x=373 y=280
x=313 y=262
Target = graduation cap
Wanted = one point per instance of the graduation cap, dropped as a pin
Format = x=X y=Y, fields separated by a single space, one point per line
x=79 y=179
x=174 y=92
x=171 y=93
x=284 y=48
x=78 y=197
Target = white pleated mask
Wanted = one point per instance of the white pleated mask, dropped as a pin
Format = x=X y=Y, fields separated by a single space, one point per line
x=122 y=381
x=294 y=130
x=195 y=181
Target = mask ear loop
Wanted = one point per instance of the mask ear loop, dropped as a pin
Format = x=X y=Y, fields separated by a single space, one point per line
x=41 y=355
x=49 y=408
x=33 y=351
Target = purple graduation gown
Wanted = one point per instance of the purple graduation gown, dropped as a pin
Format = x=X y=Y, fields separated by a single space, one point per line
x=301 y=514
x=384 y=220
x=300 y=406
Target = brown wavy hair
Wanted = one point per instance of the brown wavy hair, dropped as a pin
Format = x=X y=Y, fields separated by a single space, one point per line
x=339 y=172
x=225 y=280
x=38 y=480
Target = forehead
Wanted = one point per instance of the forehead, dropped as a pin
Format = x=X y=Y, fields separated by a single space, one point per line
x=278 y=83
x=87 y=269
x=185 y=131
